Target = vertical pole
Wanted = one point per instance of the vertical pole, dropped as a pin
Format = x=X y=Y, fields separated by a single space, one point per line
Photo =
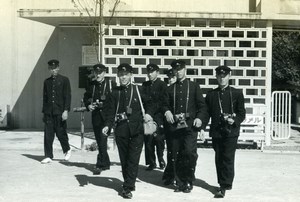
x=289 y=114
x=101 y=32
x=82 y=127
x=268 y=116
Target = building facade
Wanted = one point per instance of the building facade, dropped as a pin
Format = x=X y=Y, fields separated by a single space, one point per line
x=205 y=34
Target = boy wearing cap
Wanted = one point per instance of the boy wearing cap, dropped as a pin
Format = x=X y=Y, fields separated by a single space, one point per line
x=125 y=113
x=155 y=90
x=56 y=105
x=94 y=100
x=185 y=110
x=227 y=111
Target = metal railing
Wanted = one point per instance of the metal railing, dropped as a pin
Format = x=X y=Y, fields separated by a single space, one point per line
x=281 y=115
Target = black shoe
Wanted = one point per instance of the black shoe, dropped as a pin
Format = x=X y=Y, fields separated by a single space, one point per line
x=220 y=193
x=151 y=167
x=97 y=171
x=187 y=187
x=169 y=181
x=126 y=193
x=162 y=164
x=177 y=189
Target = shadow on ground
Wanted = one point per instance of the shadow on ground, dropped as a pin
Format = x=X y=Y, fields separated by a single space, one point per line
x=87 y=166
x=34 y=157
x=40 y=158
x=155 y=177
x=152 y=177
x=106 y=182
x=204 y=185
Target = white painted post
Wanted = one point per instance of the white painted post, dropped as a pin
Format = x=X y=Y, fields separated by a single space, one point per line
x=268 y=84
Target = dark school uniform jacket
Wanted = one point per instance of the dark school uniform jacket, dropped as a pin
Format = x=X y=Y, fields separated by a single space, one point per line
x=214 y=110
x=98 y=91
x=192 y=103
x=119 y=100
x=156 y=92
x=56 y=95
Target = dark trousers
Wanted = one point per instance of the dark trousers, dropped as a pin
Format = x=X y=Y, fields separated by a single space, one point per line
x=184 y=144
x=55 y=125
x=225 y=148
x=169 y=170
x=130 y=148
x=103 y=160
x=151 y=142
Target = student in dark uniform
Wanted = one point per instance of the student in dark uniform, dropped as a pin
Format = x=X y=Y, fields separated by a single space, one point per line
x=56 y=105
x=168 y=176
x=124 y=110
x=227 y=111
x=155 y=89
x=185 y=112
x=94 y=99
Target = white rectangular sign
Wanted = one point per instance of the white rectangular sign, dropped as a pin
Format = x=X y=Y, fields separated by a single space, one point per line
x=89 y=55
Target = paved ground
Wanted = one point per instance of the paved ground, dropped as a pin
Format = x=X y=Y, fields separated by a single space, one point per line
x=260 y=176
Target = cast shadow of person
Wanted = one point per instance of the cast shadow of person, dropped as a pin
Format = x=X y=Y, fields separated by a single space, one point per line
x=34 y=157
x=87 y=166
x=204 y=185
x=152 y=177
x=107 y=182
x=155 y=177
x=39 y=158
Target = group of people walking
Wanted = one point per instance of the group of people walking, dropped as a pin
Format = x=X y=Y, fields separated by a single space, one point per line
x=178 y=109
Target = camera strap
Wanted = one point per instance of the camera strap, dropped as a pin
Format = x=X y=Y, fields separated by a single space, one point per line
x=103 y=93
x=110 y=85
x=142 y=108
x=220 y=104
x=131 y=95
x=118 y=104
x=187 y=97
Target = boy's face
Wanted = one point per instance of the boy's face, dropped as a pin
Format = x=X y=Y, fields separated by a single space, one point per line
x=152 y=75
x=53 y=71
x=124 y=77
x=223 y=79
x=180 y=74
x=99 y=75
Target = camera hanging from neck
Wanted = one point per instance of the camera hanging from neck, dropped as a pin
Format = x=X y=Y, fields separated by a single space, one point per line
x=231 y=103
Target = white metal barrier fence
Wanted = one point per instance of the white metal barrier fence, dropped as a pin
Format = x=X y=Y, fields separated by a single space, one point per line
x=281 y=115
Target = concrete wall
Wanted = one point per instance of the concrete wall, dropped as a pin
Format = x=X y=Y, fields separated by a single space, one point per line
x=26 y=46
x=280 y=9
x=22 y=42
x=231 y=6
x=65 y=45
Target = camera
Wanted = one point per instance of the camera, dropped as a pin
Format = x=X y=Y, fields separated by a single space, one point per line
x=121 y=117
x=98 y=104
x=180 y=119
x=225 y=127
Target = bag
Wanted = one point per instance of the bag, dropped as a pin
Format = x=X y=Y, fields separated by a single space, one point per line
x=150 y=127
